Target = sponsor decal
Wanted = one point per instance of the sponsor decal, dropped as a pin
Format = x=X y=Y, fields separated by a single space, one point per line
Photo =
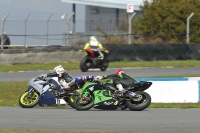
x=116 y=102
x=91 y=88
x=108 y=103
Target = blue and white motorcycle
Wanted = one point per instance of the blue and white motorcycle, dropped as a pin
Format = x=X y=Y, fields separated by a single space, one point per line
x=45 y=91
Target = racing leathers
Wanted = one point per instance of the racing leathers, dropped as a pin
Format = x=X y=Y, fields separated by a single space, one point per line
x=66 y=80
x=96 y=47
x=120 y=81
x=81 y=80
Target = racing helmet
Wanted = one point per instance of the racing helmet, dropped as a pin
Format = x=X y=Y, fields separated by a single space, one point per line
x=59 y=69
x=93 y=38
x=119 y=71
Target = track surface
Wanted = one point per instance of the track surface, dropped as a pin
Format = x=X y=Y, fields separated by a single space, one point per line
x=135 y=72
x=149 y=120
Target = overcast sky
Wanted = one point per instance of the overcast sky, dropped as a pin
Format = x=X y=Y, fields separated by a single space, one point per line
x=33 y=6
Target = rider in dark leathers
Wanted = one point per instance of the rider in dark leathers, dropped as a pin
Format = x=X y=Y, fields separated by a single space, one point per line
x=121 y=80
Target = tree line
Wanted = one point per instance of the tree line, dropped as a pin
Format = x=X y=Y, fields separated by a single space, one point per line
x=162 y=21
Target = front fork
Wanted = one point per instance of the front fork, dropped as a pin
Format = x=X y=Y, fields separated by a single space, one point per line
x=31 y=94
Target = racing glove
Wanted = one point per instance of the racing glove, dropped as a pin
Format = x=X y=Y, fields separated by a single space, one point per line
x=106 y=51
x=64 y=84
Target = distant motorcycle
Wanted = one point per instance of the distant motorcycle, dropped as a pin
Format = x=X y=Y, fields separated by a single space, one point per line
x=45 y=91
x=90 y=61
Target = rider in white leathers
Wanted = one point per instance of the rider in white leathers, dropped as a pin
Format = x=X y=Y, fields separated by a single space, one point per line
x=65 y=79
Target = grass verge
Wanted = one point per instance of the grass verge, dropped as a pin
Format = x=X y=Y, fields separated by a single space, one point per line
x=121 y=64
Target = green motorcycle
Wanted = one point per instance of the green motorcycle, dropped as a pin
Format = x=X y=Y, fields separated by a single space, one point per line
x=105 y=96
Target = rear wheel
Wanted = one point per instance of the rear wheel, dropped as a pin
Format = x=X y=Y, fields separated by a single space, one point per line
x=27 y=100
x=85 y=64
x=140 y=103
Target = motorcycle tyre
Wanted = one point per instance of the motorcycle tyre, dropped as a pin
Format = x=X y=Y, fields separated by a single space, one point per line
x=83 y=108
x=139 y=107
x=70 y=102
x=29 y=105
x=82 y=65
x=103 y=68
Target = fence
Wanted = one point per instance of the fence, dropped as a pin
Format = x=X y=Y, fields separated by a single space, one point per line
x=51 y=29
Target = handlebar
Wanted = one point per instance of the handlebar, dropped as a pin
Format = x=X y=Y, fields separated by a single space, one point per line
x=99 y=83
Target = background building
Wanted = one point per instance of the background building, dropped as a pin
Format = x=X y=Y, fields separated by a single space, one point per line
x=105 y=14
x=39 y=22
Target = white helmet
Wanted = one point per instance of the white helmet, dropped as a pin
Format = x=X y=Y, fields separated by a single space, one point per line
x=59 y=69
x=93 y=38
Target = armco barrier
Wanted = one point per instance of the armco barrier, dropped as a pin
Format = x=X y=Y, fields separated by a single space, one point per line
x=173 y=90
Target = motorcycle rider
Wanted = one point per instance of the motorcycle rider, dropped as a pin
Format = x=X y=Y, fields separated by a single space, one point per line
x=65 y=79
x=95 y=46
x=120 y=80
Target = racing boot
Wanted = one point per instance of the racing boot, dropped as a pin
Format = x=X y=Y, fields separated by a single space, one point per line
x=126 y=94
x=56 y=93
x=63 y=90
x=123 y=106
x=118 y=93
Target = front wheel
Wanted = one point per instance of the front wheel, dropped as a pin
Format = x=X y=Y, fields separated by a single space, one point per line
x=83 y=103
x=85 y=64
x=105 y=65
x=141 y=102
x=70 y=101
x=27 y=100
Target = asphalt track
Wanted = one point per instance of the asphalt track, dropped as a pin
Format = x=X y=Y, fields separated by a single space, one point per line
x=149 y=120
x=135 y=72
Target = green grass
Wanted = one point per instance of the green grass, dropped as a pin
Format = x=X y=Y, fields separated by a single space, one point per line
x=158 y=64
x=121 y=64
x=11 y=91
